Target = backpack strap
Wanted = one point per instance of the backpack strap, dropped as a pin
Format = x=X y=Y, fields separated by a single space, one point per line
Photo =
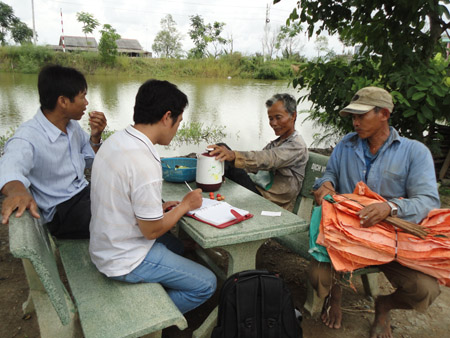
x=246 y=306
x=271 y=302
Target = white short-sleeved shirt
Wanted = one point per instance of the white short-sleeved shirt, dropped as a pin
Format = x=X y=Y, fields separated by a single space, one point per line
x=126 y=185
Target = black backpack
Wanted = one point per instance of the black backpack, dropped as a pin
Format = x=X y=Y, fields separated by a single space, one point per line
x=256 y=304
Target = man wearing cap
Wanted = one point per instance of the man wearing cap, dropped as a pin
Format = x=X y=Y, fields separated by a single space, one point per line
x=399 y=169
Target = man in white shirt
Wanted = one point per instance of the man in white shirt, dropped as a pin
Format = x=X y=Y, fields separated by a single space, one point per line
x=130 y=239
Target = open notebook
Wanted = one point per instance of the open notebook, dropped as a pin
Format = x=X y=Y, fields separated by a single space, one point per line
x=219 y=214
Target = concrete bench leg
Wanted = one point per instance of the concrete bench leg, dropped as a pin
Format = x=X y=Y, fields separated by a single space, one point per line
x=205 y=330
x=313 y=302
x=242 y=256
x=28 y=305
x=49 y=323
x=370 y=284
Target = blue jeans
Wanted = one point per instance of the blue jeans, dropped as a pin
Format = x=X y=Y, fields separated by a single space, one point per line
x=187 y=283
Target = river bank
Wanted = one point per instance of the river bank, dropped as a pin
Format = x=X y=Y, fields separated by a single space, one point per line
x=30 y=59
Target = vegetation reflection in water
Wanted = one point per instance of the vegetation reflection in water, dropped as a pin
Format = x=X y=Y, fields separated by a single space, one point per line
x=232 y=107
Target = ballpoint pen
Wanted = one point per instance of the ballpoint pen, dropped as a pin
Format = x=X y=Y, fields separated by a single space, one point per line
x=188 y=186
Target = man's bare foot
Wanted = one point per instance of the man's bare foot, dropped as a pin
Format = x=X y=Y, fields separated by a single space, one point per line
x=381 y=327
x=331 y=311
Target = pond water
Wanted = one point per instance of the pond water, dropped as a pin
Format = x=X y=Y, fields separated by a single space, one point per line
x=237 y=105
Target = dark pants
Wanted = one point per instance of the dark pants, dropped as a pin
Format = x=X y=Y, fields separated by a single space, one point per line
x=238 y=175
x=72 y=217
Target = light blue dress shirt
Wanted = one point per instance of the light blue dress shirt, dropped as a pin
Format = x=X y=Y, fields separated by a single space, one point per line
x=403 y=168
x=48 y=161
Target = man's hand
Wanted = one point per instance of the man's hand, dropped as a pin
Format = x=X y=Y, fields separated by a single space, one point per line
x=97 y=122
x=222 y=153
x=193 y=199
x=17 y=197
x=325 y=189
x=374 y=214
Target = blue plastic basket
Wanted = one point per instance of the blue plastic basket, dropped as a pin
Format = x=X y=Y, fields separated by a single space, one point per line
x=172 y=173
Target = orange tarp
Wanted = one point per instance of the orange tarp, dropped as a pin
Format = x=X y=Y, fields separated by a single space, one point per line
x=351 y=246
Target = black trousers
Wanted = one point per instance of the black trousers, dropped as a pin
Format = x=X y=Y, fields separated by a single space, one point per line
x=72 y=217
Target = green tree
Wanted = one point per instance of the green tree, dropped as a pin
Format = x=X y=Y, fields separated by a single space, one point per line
x=9 y=23
x=399 y=44
x=321 y=45
x=21 y=33
x=230 y=43
x=203 y=34
x=108 y=46
x=89 y=23
x=288 y=39
x=269 y=42
x=167 y=42
x=198 y=35
x=215 y=39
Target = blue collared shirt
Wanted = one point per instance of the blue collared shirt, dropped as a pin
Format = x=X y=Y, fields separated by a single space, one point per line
x=48 y=161
x=402 y=168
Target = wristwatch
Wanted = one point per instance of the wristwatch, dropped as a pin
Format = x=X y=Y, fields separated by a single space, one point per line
x=394 y=209
x=96 y=144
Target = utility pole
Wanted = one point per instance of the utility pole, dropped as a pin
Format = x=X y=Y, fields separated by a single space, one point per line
x=34 y=27
x=266 y=31
x=62 y=36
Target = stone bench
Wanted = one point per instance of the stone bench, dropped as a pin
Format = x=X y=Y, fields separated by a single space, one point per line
x=101 y=307
x=299 y=242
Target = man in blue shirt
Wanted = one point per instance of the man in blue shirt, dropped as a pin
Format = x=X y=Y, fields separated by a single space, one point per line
x=43 y=164
x=399 y=169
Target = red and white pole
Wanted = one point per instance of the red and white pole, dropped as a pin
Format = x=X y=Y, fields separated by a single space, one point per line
x=62 y=36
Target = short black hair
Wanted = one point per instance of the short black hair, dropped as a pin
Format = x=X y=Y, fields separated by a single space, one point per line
x=55 y=80
x=155 y=98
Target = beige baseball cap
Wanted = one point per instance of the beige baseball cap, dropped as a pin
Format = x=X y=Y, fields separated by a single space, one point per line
x=366 y=99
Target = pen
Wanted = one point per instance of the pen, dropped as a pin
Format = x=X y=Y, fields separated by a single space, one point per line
x=188 y=186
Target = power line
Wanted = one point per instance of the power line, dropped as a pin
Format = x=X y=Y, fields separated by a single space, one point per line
x=175 y=2
x=280 y=16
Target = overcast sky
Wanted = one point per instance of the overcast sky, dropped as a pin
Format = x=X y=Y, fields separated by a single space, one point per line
x=140 y=19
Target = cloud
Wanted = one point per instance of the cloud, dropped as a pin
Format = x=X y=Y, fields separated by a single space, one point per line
x=140 y=19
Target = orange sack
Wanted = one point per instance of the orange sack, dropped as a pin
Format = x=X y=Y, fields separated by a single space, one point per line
x=351 y=246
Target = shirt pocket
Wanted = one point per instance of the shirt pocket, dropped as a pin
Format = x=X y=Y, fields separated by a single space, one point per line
x=393 y=184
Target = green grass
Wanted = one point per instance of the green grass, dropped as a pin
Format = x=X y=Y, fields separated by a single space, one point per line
x=188 y=133
x=30 y=59
x=444 y=190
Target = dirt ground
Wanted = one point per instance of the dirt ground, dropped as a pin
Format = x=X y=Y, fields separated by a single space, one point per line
x=358 y=310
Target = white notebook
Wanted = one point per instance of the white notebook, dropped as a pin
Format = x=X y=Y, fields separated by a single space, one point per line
x=216 y=213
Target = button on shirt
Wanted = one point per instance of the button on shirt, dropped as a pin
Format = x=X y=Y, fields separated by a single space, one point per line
x=403 y=168
x=48 y=161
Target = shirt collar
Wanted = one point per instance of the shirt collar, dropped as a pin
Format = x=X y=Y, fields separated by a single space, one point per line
x=49 y=128
x=393 y=137
x=133 y=132
x=280 y=141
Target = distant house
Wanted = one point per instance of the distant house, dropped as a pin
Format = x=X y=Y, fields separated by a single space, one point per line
x=131 y=47
x=78 y=43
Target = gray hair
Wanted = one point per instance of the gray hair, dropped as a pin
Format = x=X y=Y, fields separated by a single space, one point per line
x=289 y=102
